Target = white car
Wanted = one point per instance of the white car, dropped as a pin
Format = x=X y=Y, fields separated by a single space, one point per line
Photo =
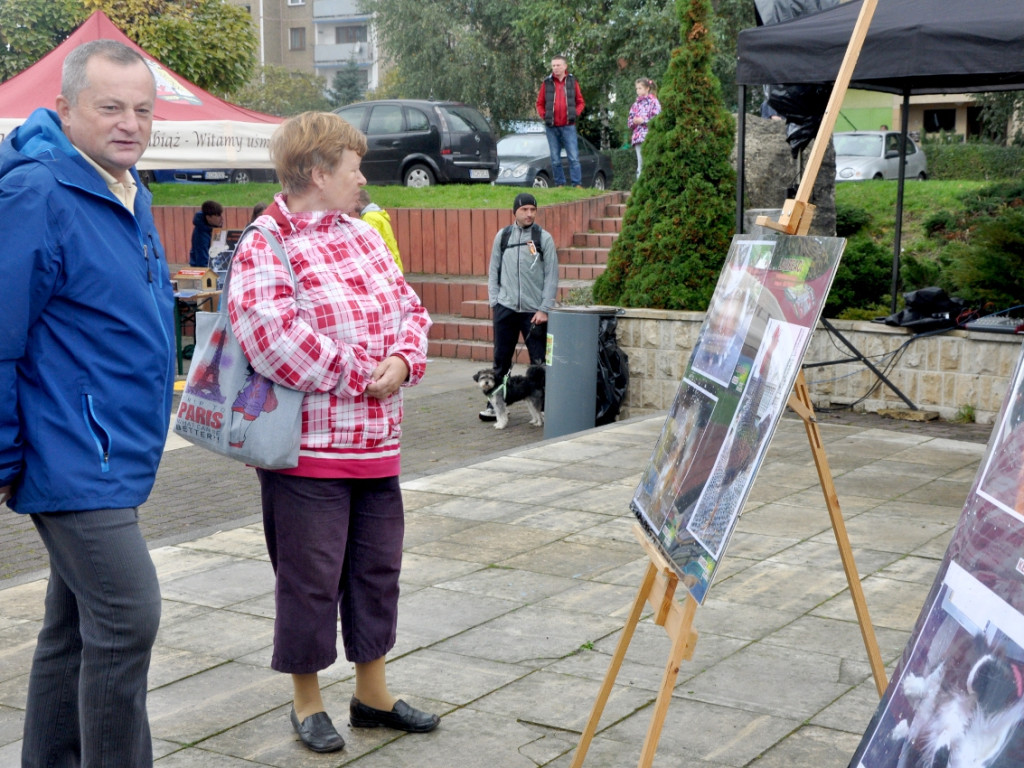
x=864 y=155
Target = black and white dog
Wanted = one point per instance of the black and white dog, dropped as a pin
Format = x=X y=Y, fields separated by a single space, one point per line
x=502 y=394
x=960 y=726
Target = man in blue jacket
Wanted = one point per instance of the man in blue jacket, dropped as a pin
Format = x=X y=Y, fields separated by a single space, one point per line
x=86 y=375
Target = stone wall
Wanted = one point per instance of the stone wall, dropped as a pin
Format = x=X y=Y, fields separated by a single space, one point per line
x=937 y=373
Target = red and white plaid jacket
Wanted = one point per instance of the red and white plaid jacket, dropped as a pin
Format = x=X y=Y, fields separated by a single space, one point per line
x=353 y=309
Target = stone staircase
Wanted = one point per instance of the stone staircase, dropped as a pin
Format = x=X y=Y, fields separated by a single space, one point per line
x=458 y=303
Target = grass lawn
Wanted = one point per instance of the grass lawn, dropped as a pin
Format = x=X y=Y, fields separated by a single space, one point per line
x=921 y=199
x=442 y=196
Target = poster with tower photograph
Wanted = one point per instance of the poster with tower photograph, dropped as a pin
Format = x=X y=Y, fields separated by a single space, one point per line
x=957 y=694
x=735 y=387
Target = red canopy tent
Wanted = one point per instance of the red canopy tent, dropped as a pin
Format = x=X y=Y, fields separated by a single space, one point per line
x=192 y=128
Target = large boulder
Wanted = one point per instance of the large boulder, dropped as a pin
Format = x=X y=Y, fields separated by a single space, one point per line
x=772 y=174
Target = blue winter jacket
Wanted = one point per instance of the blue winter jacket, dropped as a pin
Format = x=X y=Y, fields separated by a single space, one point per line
x=86 y=331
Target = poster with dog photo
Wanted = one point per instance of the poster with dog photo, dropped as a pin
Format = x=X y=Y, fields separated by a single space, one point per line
x=959 y=700
x=734 y=389
x=956 y=696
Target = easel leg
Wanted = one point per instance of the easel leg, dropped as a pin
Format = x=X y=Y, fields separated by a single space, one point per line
x=614 y=666
x=801 y=403
x=682 y=648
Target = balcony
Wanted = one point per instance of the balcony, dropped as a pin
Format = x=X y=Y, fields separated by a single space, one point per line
x=334 y=10
x=338 y=54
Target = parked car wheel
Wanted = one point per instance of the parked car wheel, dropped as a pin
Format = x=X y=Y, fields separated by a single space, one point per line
x=599 y=182
x=418 y=176
x=240 y=176
x=541 y=180
x=922 y=176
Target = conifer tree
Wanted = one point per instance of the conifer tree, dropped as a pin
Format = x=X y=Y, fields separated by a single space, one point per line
x=680 y=216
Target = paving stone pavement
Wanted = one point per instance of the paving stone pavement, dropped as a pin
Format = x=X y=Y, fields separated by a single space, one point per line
x=520 y=569
x=197 y=491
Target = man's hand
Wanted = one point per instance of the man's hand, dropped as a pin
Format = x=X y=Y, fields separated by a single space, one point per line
x=539 y=317
x=6 y=492
x=387 y=377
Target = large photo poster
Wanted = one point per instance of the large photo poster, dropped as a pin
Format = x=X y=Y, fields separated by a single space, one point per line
x=736 y=385
x=957 y=695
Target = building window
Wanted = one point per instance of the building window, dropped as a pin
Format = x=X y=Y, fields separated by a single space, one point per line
x=350 y=34
x=936 y=120
x=296 y=2
x=297 y=39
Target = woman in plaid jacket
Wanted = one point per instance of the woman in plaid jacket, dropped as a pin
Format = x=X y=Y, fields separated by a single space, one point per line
x=350 y=336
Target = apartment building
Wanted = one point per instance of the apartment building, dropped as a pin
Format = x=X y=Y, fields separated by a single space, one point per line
x=316 y=36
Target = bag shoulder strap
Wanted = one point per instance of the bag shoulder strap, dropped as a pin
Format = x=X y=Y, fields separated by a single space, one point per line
x=274 y=241
x=535 y=235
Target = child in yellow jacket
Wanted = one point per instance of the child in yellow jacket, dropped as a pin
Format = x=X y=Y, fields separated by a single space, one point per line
x=379 y=219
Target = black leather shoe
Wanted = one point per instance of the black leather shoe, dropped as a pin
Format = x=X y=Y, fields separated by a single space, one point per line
x=318 y=732
x=402 y=717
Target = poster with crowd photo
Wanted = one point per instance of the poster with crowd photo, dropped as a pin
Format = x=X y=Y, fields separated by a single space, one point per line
x=734 y=390
x=957 y=695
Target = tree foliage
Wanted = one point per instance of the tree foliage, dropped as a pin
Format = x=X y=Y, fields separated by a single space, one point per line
x=30 y=29
x=210 y=42
x=998 y=110
x=460 y=50
x=493 y=54
x=347 y=86
x=679 y=218
x=278 y=91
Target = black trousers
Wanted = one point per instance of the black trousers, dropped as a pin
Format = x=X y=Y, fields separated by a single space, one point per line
x=509 y=325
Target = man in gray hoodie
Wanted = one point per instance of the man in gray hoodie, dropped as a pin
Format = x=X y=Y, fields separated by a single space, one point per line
x=521 y=287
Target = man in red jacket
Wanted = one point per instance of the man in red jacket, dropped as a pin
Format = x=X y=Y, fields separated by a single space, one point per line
x=559 y=105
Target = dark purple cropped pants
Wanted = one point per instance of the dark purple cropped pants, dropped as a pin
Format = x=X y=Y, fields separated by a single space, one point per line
x=336 y=546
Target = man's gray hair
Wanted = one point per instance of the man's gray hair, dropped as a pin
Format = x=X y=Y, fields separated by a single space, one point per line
x=73 y=78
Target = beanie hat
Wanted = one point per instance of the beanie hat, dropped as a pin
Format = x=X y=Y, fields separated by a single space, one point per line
x=523 y=198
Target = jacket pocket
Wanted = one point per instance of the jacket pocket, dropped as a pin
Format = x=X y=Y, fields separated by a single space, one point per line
x=99 y=434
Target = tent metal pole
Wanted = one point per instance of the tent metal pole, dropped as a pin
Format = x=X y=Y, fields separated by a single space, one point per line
x=741 y=146
x=902 y=178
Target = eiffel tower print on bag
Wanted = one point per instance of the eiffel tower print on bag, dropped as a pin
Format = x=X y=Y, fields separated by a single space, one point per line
x=227 y=407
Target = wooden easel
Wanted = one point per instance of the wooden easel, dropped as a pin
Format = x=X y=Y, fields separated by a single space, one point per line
x=800 y=402
x=660 y=580
x=659 y=586
x=658 y=589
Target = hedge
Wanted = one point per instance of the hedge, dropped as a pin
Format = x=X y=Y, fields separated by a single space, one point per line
x=973 y=161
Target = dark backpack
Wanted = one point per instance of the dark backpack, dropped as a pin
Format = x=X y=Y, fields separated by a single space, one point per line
x=506 y=233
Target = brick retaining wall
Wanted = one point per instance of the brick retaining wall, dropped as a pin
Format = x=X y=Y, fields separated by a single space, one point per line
x=431 y=241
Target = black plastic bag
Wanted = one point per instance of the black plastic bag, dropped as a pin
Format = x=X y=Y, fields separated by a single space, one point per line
x=612 y=372
x=928 y=309
x=803 y=107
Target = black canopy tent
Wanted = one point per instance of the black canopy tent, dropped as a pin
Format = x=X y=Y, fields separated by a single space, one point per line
x=912 y=47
